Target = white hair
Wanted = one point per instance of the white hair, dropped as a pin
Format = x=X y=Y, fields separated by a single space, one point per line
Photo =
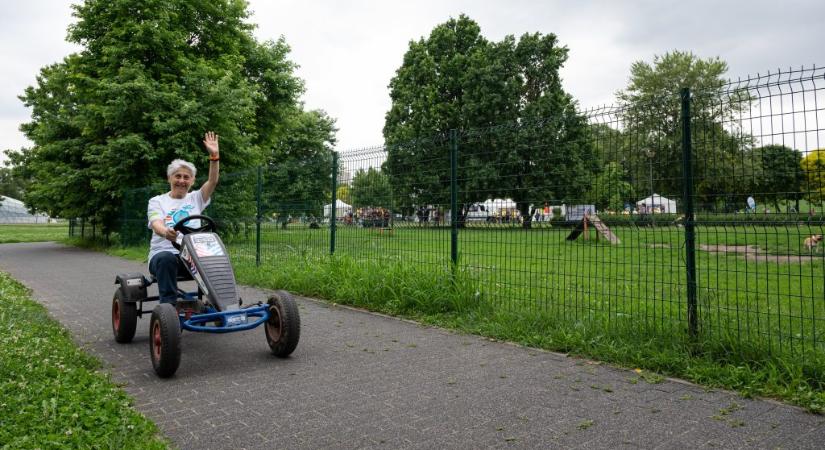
x=178 y=164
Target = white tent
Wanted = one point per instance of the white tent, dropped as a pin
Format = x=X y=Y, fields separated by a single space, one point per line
x=497 y=204
x=341 y=209
x=656 y=203
x=14 y=211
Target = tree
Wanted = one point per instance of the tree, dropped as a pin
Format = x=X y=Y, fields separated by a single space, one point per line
x=781 y=174
x=813 y=166
x=610 y=189
x=371 y=188
x=10 y=186
x=458 y=80
x=151 y=78
x=344 y=193
x=653 y=116
x=298 y=175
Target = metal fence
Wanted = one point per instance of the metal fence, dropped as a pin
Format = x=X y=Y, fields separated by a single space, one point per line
x=86 y=229
x=696 y=214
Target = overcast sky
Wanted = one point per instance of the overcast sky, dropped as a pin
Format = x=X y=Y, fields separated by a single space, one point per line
x=348 y=50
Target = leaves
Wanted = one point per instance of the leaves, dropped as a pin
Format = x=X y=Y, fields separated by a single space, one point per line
x=813 y=166
x=151 y=78
x=371 y=188
x=653 y=124
x=458 y=80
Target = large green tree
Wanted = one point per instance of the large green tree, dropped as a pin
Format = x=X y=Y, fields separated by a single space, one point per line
x=813 y=166
x=371 y=188
x=781 y=175
x=297 y=179
x=520 y=135
x=10 y=186
x=652 y=114
x=610 y=189
x=153 y=75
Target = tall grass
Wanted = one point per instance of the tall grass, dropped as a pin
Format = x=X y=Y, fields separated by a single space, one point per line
x=449 y=298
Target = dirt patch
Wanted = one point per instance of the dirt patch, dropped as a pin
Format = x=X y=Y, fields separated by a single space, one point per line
x=754 y=253
x=659 y=245
x=729 y=248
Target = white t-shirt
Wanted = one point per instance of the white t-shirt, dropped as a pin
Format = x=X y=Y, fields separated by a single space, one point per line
x=171 y=211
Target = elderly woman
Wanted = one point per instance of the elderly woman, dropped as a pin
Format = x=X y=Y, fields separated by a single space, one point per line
x=167 y=209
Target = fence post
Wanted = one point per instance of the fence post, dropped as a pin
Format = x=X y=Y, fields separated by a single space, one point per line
x=333 y=208
x=690 y=234
x=258 y=215
x=454 y=196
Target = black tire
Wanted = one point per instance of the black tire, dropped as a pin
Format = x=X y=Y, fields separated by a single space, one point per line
x=164 y=340
x=124 y=318
x=283 y=329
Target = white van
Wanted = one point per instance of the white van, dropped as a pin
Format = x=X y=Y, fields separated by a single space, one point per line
x=478 y=212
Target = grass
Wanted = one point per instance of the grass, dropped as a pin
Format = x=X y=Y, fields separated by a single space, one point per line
x=643 y=280
x=450 y=300
x=33 y=232
x=54 y=395
x=761 y=324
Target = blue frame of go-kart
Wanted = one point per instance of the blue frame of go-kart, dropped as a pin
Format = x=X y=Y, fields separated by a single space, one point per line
x=225 y=320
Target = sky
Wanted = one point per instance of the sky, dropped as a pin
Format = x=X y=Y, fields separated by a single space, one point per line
x=348 y=51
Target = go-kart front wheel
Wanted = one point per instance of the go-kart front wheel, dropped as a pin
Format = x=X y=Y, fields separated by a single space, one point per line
x=283 y=329
x=124 y=318
x=164 y=340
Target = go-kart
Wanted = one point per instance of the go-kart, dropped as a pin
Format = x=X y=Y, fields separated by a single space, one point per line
x=215 y=307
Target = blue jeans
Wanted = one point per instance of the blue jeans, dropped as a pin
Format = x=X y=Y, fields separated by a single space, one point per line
x=166 y=266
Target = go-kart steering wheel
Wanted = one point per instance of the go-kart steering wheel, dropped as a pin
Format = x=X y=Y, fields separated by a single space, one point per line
x=207 y=225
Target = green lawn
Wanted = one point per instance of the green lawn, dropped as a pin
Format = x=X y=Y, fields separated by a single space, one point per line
x=760 y=319
x=52 y=394
x=33 y=232
x=771 y=297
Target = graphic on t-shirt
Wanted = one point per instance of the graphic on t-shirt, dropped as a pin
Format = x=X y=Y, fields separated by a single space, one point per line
x=176 y=215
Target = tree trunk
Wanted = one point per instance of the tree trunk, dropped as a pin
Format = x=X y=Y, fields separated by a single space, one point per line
x=527 y=215
x=462 y=218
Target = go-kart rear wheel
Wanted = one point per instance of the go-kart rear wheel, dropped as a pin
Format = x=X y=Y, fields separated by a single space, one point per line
x=164 y=340
x=124 y=318
x=283 y=329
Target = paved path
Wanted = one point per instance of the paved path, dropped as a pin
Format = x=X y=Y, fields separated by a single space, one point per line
x=360 y=380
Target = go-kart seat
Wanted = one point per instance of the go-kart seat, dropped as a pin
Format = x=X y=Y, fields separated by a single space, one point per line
x=185 y=276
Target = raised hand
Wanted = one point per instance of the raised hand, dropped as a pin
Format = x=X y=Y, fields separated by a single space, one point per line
x=210 y=141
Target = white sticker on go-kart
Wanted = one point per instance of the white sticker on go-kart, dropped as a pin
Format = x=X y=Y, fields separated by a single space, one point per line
x=236 y=320
x=207 y=245
x=133 y=282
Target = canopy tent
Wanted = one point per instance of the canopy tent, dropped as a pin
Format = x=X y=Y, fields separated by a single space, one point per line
x=341 y=209
x=497 y=204
x=14 y=211
x=656 y=203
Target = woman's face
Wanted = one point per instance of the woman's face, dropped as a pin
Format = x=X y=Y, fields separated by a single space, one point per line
x=180 y=182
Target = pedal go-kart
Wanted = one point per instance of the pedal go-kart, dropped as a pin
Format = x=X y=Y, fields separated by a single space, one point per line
x=214 y=308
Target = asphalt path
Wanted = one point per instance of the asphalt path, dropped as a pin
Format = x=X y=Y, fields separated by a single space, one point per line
x=362 y=380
